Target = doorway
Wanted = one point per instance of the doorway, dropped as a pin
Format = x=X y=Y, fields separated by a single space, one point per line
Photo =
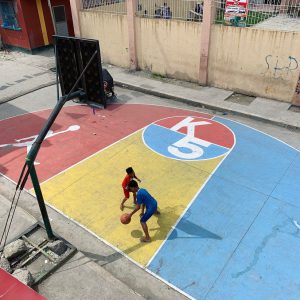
x=60 y=20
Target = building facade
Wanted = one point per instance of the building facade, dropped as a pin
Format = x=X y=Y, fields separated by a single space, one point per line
x=30 y=24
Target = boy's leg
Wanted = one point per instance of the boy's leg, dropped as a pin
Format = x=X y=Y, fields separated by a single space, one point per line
x=122 y=203
x=145 y=238
x=126 y=196
x=146 y=216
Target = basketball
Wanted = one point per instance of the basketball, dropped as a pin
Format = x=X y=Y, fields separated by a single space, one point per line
x=125 y=218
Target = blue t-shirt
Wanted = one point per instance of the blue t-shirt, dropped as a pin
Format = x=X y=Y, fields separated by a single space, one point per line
x=143 y=197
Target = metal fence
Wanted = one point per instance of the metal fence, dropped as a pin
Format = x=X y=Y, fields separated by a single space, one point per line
x=188 y=10
x=276 y=14
x=109 y=6
x=260 y=11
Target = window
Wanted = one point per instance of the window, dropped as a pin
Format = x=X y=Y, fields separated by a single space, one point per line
x=8 y=15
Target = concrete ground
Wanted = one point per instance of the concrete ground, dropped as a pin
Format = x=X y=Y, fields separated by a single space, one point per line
x=280 y=22
x=114 y=276
x=267 y=110
x=230 y=239
x=24 y=73
x=114 y=266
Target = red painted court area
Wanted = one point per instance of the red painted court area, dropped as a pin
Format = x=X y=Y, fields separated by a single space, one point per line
x=77 y=133
x=13 y=289
x=214 y=133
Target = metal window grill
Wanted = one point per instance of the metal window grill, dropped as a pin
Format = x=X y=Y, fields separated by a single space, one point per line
x=108 y=6
x=188 y=10
x=8 y=17
x=271 y=14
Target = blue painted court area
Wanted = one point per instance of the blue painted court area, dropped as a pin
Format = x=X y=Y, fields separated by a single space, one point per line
x=240 y=238
x=167 y=138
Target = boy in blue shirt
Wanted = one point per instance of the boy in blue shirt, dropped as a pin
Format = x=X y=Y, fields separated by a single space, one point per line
x=144 y=199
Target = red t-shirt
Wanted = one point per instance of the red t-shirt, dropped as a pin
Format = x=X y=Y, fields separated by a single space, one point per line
x=126 y=181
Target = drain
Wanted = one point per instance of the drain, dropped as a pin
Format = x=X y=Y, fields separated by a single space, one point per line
x=240 y=99
x=33 y=252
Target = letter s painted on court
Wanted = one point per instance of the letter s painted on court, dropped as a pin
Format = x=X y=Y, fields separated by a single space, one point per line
x=192 y=144
x=188 y=138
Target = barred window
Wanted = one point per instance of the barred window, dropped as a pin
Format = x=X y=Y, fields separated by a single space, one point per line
x=8 y=14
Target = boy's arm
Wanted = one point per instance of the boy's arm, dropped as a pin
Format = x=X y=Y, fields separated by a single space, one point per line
x=139 y=180
x=143 y=209
x=137 y=207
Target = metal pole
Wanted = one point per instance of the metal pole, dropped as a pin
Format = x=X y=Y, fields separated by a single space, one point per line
x=56 y=71
x=40 y=199
x=55 y=49
x=36 y=147
x=52 y=17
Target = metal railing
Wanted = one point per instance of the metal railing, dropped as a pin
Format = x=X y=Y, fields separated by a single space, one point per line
x=188 y=10
x=109 y=6
x=275 y=14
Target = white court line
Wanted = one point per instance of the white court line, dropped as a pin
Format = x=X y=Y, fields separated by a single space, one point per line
x=107 y=147
x=205 y=159
x=197 y=194
x=116 y=249
x=275 y=138
x=190 y=204
x=169 y=106
x=92 y=155
x=36 y=111
x=296 y=224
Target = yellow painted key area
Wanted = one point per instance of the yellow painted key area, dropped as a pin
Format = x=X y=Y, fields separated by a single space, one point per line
x=90 y=192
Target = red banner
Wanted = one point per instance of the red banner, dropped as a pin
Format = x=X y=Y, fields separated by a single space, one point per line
x=236 y=12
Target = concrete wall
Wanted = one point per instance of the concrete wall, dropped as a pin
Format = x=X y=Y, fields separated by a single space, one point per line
x=169 y=47
x=112 y=32
x=255 y=61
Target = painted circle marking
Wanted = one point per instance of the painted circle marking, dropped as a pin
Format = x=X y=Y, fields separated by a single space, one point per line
x=189 y=138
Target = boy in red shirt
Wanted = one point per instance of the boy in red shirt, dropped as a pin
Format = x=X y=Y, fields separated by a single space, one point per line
x=130 y=176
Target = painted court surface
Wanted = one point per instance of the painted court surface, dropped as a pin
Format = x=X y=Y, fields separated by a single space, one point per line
x=229 y=195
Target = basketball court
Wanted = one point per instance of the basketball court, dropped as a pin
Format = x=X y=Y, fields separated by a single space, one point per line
x=228 y=194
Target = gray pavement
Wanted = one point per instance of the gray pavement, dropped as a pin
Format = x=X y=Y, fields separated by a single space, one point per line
x=98 y=271
x=26 y=73
x=70 y=280
x=280 y=23
x=25 y=220
x=23 y=73
x=268 y=110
